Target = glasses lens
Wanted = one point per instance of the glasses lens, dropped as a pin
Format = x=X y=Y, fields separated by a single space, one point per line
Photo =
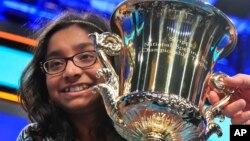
x=54 y=66
x=85 y=59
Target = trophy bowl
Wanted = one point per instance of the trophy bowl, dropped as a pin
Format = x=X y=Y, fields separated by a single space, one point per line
x=157 y=81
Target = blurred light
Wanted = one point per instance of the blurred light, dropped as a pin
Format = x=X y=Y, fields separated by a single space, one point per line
x=18 y=38
x=107 y=6
x=74 y=4
x=241 y=25
x=20 y=6
x=12 y=64
x=28 y=9
x=212 y=2
x=103 y=6
x=47 y=15
x=13 y=97
x=11 y=126
x=223 y=61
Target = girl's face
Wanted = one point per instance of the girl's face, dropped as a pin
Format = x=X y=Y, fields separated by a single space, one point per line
x=72 y=88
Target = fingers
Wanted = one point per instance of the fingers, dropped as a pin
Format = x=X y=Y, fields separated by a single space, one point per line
x=213 y=97
x=234 y=107
x=239 y=80
x=235 y=111
x=241 y=118
x=247 y=122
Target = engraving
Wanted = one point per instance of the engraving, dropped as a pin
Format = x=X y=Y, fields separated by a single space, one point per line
x=180 y=49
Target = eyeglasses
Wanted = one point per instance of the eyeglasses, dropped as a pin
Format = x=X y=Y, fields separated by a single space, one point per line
x=58 y=65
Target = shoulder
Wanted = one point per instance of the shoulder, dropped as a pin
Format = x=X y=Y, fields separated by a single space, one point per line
x=24 y=135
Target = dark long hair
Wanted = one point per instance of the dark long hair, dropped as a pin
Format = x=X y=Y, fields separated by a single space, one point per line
x=53 y=121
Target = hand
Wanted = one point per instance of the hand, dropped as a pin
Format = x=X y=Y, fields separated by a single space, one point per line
x=238 y=108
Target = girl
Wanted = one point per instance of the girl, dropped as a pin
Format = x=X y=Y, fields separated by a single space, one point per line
x=56 y=87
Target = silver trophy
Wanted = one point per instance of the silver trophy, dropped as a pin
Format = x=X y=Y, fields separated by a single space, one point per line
x=157 y=81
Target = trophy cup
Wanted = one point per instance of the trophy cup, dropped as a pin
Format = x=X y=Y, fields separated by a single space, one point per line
x=161 y=69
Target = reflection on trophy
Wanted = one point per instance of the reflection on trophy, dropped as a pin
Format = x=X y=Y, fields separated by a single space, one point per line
x=164 y=52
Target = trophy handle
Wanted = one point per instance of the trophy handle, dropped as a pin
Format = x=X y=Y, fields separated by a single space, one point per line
x=211 y=112
x=108 y=44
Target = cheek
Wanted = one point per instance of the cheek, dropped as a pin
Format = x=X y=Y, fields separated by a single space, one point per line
x=52 y=83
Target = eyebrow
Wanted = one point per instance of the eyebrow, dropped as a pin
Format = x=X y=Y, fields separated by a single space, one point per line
x=78 y=47
x=82 y=46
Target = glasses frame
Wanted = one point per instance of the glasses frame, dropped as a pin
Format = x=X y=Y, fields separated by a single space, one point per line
x=42 y=63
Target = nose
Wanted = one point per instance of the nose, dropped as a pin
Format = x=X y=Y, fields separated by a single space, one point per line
x=72 y=72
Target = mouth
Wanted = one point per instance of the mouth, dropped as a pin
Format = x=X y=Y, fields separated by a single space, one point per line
x=76 y=88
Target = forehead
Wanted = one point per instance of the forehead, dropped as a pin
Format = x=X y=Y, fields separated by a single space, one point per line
x=69 y=40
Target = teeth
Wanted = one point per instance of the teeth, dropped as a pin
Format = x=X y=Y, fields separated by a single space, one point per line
x=85 y=86
x=76 y=88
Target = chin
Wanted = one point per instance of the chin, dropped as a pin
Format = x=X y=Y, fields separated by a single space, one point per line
x=84 y=105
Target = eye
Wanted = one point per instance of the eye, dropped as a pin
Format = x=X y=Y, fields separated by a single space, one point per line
x=86 y=56
x=54 y=64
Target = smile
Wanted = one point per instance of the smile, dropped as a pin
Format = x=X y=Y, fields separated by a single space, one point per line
x=76 y=88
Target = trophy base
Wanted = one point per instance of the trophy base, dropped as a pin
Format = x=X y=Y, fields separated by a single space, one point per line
x=151 y=116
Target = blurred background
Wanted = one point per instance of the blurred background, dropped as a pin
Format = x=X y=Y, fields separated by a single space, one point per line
x=19 y=20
